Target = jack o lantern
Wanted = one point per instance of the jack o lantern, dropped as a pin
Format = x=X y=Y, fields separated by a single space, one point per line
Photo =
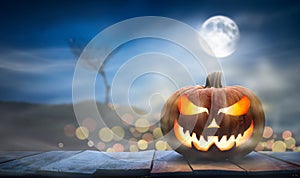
x=213 y=122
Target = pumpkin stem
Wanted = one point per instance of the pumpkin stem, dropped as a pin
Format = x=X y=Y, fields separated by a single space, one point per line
x=214 y=80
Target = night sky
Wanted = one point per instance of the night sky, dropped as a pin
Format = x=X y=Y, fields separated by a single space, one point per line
x=39 y=42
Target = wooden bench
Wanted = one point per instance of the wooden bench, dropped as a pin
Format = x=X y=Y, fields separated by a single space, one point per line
x=143 y=164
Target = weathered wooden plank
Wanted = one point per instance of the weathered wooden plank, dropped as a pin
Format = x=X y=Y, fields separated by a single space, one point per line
x=32 y=163
x=170 y=163
x=216 y=168
x=6 y=156
x=165 y=163
x=256 y=163
x=127 y=164
x=104 y=164
x=291 y=157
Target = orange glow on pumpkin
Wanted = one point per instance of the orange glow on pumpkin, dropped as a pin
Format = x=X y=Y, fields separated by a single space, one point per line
x=202 y=144
x=239 y=108
x=186 y=107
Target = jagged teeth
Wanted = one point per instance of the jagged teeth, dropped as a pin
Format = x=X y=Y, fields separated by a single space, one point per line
x=225 y=142
x=194 y=137
x=231 y=138
x=211 y=138
x=202 y=141
x=187 y=132
x=239 y=139
x=204 y=144
x=199 y=137
x=222 y=139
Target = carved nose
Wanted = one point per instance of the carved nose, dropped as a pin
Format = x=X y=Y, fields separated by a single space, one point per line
x=213 y=124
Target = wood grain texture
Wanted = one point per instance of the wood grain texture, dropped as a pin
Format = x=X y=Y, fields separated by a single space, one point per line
x=31 y=164
x=101 y=163
x=6 y=156
x=257 y=163
x=216 y=168
x=146 y=163
x=170 y=163
x=291 y=157
x=127 y=164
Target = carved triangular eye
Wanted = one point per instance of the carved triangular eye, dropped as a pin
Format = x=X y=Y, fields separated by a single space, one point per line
x=186 y=107
x=239 y=108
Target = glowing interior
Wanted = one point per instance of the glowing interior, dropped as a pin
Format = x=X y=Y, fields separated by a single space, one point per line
x=186 y=107
x=203 y=144
x=239 y=108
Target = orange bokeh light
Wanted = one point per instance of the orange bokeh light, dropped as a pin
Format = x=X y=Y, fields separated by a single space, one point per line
x=148 y=137
x=118 y=147
x=127 y=119
x=286 y=135
x=69 y=130
x=268 y=132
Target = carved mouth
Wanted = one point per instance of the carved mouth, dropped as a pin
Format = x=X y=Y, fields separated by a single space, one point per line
x=203 y=144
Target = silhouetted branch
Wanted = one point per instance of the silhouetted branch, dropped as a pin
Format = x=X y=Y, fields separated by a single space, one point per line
x=77 y=48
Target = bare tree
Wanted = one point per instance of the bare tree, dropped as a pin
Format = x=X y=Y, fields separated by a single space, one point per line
x=77 y=48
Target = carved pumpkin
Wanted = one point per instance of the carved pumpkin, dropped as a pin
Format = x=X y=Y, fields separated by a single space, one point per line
x=213 y=122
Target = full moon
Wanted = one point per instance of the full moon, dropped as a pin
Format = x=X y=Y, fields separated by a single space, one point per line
x=221 y=35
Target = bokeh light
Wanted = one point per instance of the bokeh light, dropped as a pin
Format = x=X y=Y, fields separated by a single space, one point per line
x=143 y=136
x=296 y=149
x=118 y=132
x=69 y=130
x=110 y=150
x=118 y=147
x=268 y=132
x=105 y=134
x=82 y=133
x=90 y=143
x=279 y=146
x=132 y=129
x=60 y=145
x=148 y=137
x=161 y=145
x=142 y=125
x=157 y=133
x=290 y=143
x=133 y=148
x=286 y=135
x=142 y=144
x=100 y=145
x=127 y=119
x=136 y=134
